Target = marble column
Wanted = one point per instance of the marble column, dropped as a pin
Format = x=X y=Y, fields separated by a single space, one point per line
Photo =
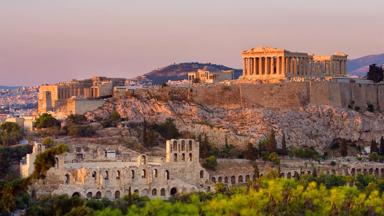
x=260 y=66
x=244 y=67
x=278 y=66
x=266 y=66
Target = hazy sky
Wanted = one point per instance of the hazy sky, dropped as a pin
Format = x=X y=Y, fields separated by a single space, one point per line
x=45 y=41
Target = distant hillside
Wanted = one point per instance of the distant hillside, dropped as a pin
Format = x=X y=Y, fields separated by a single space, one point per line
x=180 y=71
x=360 y=65
x=9 y=87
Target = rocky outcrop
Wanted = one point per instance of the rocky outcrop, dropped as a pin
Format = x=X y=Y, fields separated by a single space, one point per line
x=312 y=126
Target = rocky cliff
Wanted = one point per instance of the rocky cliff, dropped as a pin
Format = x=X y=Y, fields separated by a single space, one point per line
x=311 y=125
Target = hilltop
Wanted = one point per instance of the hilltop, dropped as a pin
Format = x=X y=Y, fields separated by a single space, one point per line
x=180 y=71
x=360 y=65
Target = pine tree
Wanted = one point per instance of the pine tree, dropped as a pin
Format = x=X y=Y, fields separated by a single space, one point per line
x=272 y=144
x=381 y=150
x=284 y=150
x=343 y=148
x=374 y=147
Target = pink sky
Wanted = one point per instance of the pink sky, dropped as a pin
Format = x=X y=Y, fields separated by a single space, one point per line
x=45 y=41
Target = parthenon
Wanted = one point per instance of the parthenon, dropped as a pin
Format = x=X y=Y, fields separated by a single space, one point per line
x=274 y=65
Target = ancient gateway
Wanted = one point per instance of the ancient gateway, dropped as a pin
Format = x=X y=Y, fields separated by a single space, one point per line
x=274 y=65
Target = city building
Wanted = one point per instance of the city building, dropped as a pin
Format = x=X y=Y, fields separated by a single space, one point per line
x=275 y=65
x=206 y=76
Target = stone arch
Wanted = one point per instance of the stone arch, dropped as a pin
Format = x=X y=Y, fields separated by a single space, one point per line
x=155 y=173
x=382 y=171
x=173 y=191
x=132 y=174
x=175 y=157
x=377 y=171
x=118 y=175
x=289 y=175
x=94 y=175
x=190 y=156
x=117 y=194
x=233 y=180
x=106 y=175
x=174 y=146
x=98 y=195
x=183 y=156
x=190 y=145
x=213 y=179
x=282 y=175
x=226 y=179
x=167 y=174
x=67 y=179
x=353 y=171
x=240 y=179
x=247 y=178
x=136 y=191
x=89 y=195
x=76 y=194
x=220 y=179
x=144 y=192
x=154 y=192
x=370 y=171
x=182 y=145
x=162 y=192
x=56 y=162
x=144 y=173
x=201 y=173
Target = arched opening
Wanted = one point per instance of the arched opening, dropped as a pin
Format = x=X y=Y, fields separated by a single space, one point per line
x=89 y=195
x=226 y=179
x=143 y=160
x=183 y=145
x=108 y=194
x=155 y=173
x=190 y=157
x=289 y=175
x=67 y=179
x=240 y=179
x=117 y=195
x=94 y=175
x=201 y=173
x=247 y=178
x=98 y=195
x=183 y=157
x=76 y=194
x=174 y=146
x=173 y=191
x=106 y=175
x=143 y=173
x=213 y=179
x=132 y=174
x=144 y=192
x=162 y=192
x=353 y=171
x=190 y=145
x=154 y=192
x=167 y=174
x=136 y=191
x=220 y=179
x=118 y=175
x=56 y=162
x=233 y=180
x=175 y=157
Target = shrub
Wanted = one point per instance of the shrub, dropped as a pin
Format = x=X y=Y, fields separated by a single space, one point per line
x=80 y=130
x=10 y=133
x=46 y=120
x=210 y=163
x=167 y=129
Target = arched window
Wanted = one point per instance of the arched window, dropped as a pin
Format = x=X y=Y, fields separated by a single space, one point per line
x=240 y=179
x=162 y=192
x=233 y=180
x=201 y=173
x=143 y=160
x=173 y=191
x=155 y=173
x=190 y=157
x=175 y=157
x=76 y=194
x=94 y=175
x=154 y=192
x=183 y=157
x=247 y=178
x=174 y=146
x=226 y=179
x=143 y=173
x=89 y=195
x=183 y=145
x=118 y=175
x=132 y=174
x=213 y=179
x=56 y=162
x=220 y=179
x=167 y=174
x=106 y=175
x=190 y=145
x=67 y=179
x=98 y=195
x=117 y=195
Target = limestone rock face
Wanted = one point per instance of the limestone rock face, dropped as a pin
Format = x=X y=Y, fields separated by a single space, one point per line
x=313 y=126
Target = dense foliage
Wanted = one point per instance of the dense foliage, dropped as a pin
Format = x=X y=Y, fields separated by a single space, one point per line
x=10 y=133
x=308 y=195
x=46 y=120
x=9 y=155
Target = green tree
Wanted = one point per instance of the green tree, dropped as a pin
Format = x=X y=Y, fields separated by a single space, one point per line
x=167 y=129
x=374 y=147
x=210 y=163
x=272 y=144
x=381 y=149
x=10 y=133
x=344 y=148
x=76 y=119
x=46 y=120
x=284 y=150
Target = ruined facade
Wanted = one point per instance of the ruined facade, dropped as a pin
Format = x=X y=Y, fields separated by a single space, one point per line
x=61 y=98
x=206 y=76
x=274 y=65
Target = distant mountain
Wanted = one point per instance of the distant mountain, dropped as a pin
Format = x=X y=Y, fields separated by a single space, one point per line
x=360 y=65
x=9 y=87
x=180 y=71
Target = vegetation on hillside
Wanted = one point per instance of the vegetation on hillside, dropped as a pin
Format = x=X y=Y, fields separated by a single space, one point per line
x=10 y=133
